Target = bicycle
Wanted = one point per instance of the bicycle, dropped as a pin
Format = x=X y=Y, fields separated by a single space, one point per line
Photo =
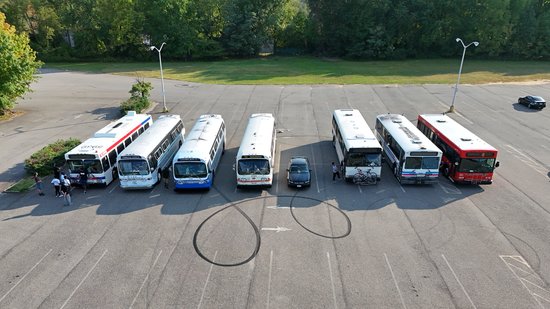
x=363 y=179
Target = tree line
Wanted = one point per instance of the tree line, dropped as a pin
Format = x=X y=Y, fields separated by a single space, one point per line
x=357 y=29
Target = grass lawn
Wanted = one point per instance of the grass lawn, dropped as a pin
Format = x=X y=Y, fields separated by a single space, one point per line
x=311 y=70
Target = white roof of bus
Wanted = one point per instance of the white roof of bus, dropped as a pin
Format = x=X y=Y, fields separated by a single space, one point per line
x=111 y=134
x=355 y=131
x=406 y=134
x=456 y=133
x=151 y=137
x=258 y=135
x=198 y=142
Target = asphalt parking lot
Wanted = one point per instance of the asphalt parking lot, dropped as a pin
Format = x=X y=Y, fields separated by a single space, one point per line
x=333 y=245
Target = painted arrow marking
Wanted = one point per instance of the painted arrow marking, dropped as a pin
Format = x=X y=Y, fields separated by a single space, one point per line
x=276 y=229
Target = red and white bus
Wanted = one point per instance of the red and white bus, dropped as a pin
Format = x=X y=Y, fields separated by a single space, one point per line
x=466 y=157
x=98 y=154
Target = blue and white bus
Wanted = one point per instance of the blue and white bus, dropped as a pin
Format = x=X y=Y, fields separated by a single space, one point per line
x=140 y=165
x=97 y=156
x=256 y=155
x=195 y=163
x=411 y=155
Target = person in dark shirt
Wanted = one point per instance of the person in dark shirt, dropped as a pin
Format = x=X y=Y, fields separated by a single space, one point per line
x=83 y=179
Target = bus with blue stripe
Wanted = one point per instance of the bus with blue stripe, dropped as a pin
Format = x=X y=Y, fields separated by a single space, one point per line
x=97 y=156
x=195 y=163
x=412 y=157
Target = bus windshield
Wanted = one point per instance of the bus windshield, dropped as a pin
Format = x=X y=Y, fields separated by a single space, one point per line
x=190 y=170
x=92 y=166
x=253 y=167
x=364 y=159
x=133 y=167
x=427 y=163
x=481 y=165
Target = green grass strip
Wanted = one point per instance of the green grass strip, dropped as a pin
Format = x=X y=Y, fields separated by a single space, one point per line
x=22 y=185
x=311 y=70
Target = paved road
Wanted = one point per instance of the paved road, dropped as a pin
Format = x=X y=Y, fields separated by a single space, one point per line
x=385 y=246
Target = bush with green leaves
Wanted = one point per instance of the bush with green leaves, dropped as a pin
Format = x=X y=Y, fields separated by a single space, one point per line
x=139 y=99
x=137 y=104
x=43 y=160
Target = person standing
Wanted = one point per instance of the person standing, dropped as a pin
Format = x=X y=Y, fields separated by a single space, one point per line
x=56 y=171
x=66 y=192
x=57 y=185
x=335 y=171
x=84 y=179
x=165 y=176
x=38 y=183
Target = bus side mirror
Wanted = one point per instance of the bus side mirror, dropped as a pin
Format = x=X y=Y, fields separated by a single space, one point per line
x=497 y=164
x=456 y=163
x=287 y=170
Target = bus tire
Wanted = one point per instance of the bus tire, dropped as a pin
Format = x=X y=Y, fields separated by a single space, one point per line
x=115 y=174
x=333 y=141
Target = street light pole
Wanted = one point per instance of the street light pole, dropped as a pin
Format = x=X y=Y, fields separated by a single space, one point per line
x=452 y=109
x=164 y=110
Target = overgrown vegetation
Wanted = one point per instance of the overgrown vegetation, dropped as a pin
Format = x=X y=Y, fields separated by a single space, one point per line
x=139 y=97
x=43 y=160
x=365 y=29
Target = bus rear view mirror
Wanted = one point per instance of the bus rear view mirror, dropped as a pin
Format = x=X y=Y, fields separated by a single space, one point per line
x=497 y=164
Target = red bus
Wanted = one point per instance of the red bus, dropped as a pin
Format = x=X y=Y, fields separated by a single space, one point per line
x=466 y=157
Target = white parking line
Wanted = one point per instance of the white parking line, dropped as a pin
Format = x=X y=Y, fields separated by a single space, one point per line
x=527 y=160
x=207 y=278
x=460 y=283
x=82 y=281
x=269 y=279
x=332 y=281
x=146 y=278
x=314 y=172
x=22 y=278
x=395 y=282
x=538 y=292
x=112 y=189
x=360 y=190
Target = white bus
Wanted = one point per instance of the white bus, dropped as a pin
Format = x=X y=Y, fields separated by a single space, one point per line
x=256 y=155
x=97 y=155
x=411 y=155
x=195 y=163
x=140 y=165
x=355 y=144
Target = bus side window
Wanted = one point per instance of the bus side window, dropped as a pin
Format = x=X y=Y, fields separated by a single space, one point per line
x=120 y=148
x=128 y=140
x=140 y=131
x=105 y=163
x=134 y=136
x=146 y=126
x=153 y=162
x=112 y=157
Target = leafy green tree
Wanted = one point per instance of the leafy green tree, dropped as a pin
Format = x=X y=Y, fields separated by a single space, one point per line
x=18 y=65
x=250 y=24
x=37 y=18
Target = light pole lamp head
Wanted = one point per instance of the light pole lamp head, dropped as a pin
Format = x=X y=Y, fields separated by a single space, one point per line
x=152 y=48
x=476 y=44
x=458 y=40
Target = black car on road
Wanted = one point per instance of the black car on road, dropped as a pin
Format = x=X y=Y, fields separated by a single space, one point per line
x=532 y=101
x=298 y=172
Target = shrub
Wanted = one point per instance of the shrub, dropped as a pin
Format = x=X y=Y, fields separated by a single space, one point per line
x=43 y=160
x=137 y=104
x=139 y=99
